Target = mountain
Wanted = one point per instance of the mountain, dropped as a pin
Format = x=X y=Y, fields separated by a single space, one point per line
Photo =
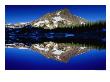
x=58 y=18
x=17 y=25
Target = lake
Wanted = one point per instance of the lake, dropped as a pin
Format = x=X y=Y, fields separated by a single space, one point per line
x=28 y=59
x=79 y=49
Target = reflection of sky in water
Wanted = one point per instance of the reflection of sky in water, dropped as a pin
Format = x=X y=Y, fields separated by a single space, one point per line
x=29 y=59
x=58 y=35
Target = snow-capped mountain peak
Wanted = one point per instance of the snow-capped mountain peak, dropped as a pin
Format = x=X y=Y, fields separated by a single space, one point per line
x=58 y=19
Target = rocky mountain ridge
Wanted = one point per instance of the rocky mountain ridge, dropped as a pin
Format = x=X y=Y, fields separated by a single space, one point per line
x=59 y=18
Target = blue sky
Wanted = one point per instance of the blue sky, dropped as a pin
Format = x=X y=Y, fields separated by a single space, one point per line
x=27 y=13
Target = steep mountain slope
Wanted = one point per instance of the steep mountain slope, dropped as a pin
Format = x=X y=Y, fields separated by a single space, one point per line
x=59 y=18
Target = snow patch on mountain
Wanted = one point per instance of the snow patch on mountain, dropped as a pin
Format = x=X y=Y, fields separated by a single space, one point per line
x=58 y=13
x=82 y=22
x=55 y=23
x=58 y=18
x=41 y=23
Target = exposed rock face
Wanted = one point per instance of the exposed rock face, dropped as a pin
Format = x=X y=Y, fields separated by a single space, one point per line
x=58 y=51
x=59 y=18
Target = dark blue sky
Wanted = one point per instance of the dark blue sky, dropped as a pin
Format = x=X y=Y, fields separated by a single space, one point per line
x=27 y=13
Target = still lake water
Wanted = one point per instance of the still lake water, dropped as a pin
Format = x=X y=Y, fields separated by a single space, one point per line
x=27 y=59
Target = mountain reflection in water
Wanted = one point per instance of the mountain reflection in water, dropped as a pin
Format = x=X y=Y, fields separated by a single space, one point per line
x=37 y=49
x=60 y=46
